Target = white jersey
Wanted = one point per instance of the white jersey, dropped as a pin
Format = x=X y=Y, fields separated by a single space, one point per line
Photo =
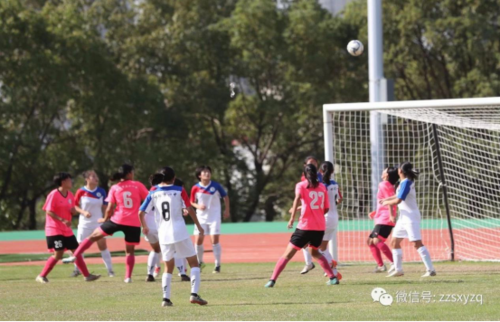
x=91 y=201
x=210 y=197
x=168 y=204
x=332 y=216
x=408 y=208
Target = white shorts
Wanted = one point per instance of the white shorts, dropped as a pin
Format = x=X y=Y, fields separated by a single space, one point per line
x=152 y=236
x=210 y=228
x=410 y=230
x=181 y=249
x=329 y=233
x=84 y=232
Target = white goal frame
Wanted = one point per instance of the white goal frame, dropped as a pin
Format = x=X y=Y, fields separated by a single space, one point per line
x=329 y=109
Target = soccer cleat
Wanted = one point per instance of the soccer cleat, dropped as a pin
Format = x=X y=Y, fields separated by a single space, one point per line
x=156 y=271
x=75 y=273
x=307 y=268
x=216 y=270
x=92 y=278
x=396 y=273
x=380 y=269
x=42 y=279
x=270 y=284
x=185 y=278
x=150 y=278
x=333 y=281
x=429 y=273
x=197 y=300
x=69 y=260
x=167 y=302
x=111 y=274
x=391 y=269
x=128 y=280
x=202 y=266
x=339 y=276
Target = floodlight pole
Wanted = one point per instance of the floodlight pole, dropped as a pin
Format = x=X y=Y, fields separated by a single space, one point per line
x=376 y=87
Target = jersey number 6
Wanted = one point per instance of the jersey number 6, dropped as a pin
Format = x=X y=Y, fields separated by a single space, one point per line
x=165 y=210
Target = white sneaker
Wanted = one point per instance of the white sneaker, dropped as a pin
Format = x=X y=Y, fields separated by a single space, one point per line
x=380 y=269
x=69 y=260
x=41 y=279
x=396 y=274
x=307 y=268
x=111 y=274
x=391 y=269
x=128 y=280
x=429 y=273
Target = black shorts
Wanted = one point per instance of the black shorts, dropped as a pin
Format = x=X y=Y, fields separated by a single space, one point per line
x=302 y=238
x=132 y=234
x=381 y=230
x=60 y=242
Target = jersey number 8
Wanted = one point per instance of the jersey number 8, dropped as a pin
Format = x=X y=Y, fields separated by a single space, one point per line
x=165 y=210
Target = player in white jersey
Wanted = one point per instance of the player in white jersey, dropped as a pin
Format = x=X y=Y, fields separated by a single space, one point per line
x=408 y=223
x=332 y=216
x=172 y=232
x=89 y=202
x=205 y=197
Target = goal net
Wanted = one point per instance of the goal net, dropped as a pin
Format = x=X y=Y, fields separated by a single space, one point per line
x=467 y=134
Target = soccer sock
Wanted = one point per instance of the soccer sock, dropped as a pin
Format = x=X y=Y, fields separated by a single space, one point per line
x=217 y=249
x=80 y=263
x=158 y=260
x=328 y=258
x=397 y=255
x=199 y=253
x=326 y=266
x=106 y=258
x=151 y=262
x=49 y=265
x=195 y=279
x=385 y=250
x=280 y=266
x=166 y=283
x=185 y=266
x=377 y=255
x=307 y=256
x=426 y=258
x=84 y=245
x=130 y=260
x=179 y=263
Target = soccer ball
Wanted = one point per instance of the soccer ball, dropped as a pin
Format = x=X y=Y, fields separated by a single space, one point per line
x=355 y=47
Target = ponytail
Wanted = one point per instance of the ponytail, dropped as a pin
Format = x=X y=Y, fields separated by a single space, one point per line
x=408 y=171
x=327 y=169
x=122 y=173
x=311 y=174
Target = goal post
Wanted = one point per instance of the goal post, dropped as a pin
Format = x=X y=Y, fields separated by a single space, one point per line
x=455 y=143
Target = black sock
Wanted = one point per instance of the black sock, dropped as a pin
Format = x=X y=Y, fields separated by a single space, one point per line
x=194 y=294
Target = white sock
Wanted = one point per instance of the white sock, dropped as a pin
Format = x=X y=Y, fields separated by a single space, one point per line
x=217 y=249
x=158 y=260
x=426 y=258
x=185 y=266
x=195 y=279
x=106 y=258
x=307 y=256
x=397 y=255
x=328 y=257
x=166 y=283
x=199 y=253
x=179 y=263
x=152 y=259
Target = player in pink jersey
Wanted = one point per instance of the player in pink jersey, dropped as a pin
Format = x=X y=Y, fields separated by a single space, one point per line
x=385 y=219
x=59 y=209
x=124 y=200
x=311 y=228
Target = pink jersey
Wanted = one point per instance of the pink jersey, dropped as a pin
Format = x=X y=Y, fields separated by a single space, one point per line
x=127 y=196
x=382 y=216
x=314 y=202
x=61 y=206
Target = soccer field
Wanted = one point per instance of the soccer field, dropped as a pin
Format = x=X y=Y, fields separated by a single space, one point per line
x=238 y=293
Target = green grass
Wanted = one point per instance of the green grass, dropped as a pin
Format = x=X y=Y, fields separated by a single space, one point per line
x=238 y=294
x=27 y=257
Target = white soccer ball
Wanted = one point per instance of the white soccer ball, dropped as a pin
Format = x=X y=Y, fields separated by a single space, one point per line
x=355 y=47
